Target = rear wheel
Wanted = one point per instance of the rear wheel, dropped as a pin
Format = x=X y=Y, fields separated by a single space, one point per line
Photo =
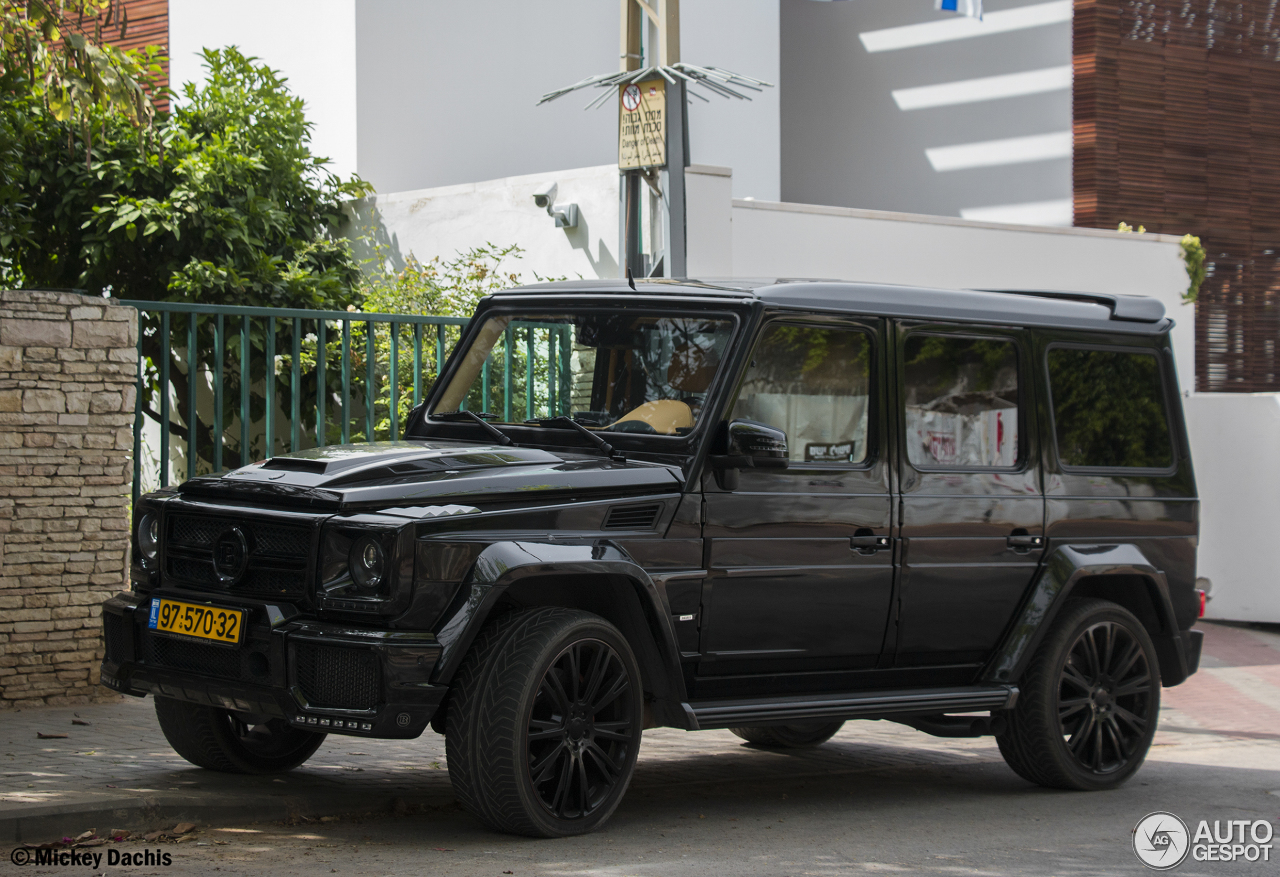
x=800 y=735
x=1089 y=702
x=218 y=739
x=544 y=723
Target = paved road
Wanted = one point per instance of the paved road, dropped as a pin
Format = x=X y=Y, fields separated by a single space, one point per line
x=878 y=798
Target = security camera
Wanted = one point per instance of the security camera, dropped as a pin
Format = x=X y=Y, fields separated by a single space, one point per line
x=565 y=215
x=545 y=196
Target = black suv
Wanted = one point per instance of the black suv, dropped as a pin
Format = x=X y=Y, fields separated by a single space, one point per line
x=763 y=506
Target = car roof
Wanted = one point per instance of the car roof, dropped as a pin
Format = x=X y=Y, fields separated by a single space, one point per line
x=1130 y=314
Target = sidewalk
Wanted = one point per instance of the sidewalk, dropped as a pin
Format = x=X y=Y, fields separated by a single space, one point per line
x=117 y=771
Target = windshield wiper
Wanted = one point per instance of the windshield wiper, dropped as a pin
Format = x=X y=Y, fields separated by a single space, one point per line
x=471 y=416
x=604 y=446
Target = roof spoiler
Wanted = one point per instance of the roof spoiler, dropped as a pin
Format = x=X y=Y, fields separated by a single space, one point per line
x=1132 y=308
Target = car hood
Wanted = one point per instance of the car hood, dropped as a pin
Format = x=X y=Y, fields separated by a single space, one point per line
x=424 y=472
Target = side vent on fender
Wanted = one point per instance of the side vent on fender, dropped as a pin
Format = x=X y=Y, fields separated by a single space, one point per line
x=633 y=517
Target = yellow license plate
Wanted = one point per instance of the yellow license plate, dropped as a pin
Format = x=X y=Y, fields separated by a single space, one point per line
x=201 y=622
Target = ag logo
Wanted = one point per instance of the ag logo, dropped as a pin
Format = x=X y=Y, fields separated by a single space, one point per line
x=1161 y=841
x=230 y=555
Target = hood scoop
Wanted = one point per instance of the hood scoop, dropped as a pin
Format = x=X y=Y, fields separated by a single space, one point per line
x=297 y=464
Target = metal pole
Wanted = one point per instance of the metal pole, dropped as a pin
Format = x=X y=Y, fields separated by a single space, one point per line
x=269 y=392
x=675 y=238
x=322 y=435
x=192 y=447
x=165 y=338
x=137 y=420
x=219 y=340
x=245 y=382
x=629 y=223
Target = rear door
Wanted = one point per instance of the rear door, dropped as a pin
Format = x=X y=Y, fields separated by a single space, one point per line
x=972 y=524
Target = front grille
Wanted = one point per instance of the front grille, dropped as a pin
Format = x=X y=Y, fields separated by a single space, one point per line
x=279 y=555
x=634 y=517
x=179 y=654
x=242 y=664
x=194 y=571
x=115 y=635
x=338 y=678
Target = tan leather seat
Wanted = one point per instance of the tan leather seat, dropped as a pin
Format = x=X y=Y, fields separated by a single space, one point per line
x=664 y=415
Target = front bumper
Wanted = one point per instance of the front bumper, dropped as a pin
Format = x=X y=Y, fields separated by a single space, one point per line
x=320 y=676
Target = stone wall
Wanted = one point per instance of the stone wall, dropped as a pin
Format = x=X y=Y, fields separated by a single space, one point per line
x=67 y=385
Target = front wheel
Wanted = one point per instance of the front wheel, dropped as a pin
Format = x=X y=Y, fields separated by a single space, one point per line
x=1089 y=702
x=218 y=739
x=544 y=723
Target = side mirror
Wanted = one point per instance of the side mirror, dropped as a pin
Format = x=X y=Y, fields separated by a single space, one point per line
x=748 y=445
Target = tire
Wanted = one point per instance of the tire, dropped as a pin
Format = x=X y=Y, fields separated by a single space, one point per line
x=218 y=739
x=1089 y=703
x=801 y=735
x=533 y=748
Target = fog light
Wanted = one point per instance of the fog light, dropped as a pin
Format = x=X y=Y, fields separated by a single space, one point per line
x=367 y=562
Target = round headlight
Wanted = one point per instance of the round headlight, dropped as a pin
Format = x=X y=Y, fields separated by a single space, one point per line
x=149 y=535
x=368 y=563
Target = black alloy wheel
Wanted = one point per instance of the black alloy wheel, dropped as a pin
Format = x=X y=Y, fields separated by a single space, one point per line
x=233 y=742
x=582 y=728
x=1089 y=701
x=1104 y=697
x=543 y=722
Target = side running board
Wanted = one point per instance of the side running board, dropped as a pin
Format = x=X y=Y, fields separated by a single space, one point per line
x=869 y=705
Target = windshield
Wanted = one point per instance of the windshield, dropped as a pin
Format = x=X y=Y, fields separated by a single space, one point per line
x=607 y=369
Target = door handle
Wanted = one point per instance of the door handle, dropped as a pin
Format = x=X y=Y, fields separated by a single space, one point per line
x=1024 y=542
x=869 y=543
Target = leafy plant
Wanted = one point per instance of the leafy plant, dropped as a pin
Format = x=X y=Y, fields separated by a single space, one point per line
x=56 y=47
x=1193 y=256
x=231 y=208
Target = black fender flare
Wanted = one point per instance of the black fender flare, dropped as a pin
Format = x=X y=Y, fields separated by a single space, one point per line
x=1065 y=568
x=502 y=564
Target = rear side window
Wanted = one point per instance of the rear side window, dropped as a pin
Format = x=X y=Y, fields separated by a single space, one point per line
x=1109 y=409
x=961 y=402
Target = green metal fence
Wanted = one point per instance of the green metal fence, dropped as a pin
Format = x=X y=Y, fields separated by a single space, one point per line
x=215 y=382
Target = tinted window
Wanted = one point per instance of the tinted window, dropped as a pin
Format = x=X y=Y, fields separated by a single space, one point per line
x=814 y=384
x=1108 y=409
x=608 y=368
x=961 y=401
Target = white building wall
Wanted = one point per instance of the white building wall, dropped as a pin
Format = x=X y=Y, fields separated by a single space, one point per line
x=1233 y=442
x=742 y=36
x=452 y=219
x=311 y=42
x=802 y=240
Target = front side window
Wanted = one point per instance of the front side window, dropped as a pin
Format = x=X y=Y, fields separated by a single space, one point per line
x=1108 y=409
x=607 y=369
x=961 y=402
x=814 y=384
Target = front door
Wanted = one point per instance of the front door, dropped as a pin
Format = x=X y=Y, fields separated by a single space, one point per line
x=972 y=509
x=790 y=591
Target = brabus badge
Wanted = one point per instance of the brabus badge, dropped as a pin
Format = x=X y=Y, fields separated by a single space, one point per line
x=230 y=556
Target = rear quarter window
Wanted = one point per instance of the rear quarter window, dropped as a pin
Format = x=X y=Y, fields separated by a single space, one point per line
x=1109 y=409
